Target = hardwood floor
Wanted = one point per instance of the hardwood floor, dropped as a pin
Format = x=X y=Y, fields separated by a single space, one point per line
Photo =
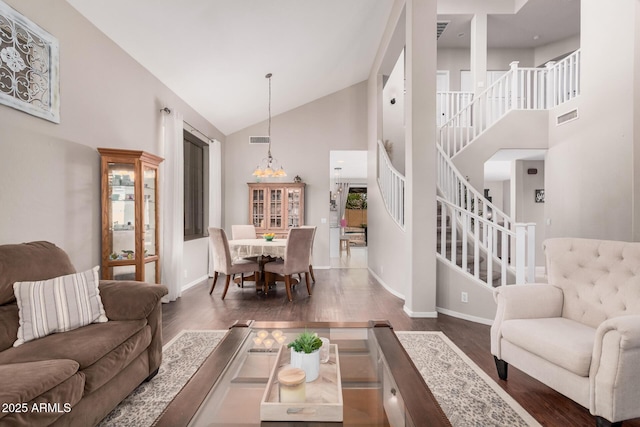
x=355 y=295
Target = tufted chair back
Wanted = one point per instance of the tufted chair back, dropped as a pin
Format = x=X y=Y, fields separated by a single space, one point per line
x=600 y=279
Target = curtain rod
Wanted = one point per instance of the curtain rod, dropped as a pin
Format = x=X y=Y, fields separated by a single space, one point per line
x=193 y=128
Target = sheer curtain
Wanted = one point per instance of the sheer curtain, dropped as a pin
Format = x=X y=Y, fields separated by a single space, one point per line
x=172 y=231
x=215 y=192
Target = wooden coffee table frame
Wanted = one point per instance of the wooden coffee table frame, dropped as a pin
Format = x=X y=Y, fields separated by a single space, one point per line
x=419 y=402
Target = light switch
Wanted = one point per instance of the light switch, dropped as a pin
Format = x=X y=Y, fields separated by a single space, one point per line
x=323 y=220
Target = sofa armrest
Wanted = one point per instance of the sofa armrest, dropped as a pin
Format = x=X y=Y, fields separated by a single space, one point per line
x=615 y=369
x=130 y=300
x=530 y=301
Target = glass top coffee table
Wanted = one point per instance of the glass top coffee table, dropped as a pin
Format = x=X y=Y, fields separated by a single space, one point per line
x=380 y=384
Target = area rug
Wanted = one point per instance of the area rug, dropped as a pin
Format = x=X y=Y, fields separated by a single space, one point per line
x=181 y=358
x=467 y=395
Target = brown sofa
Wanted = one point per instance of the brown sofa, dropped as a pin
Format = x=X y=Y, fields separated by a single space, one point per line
x=74 y=378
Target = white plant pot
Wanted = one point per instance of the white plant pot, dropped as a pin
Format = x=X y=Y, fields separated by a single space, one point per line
x=309 y=363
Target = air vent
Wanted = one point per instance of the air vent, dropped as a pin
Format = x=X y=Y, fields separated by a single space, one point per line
x=258 y=140
x=567 y=117
x=441 y=27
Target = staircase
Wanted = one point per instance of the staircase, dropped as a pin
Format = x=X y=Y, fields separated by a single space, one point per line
x=474 y=235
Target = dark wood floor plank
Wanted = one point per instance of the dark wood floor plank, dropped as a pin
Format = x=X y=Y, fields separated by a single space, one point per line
x=353 y=295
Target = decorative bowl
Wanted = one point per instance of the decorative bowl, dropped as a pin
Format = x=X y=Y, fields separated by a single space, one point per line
x=269 y=236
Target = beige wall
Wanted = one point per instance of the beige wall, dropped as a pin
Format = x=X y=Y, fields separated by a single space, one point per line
x=590 y=164
x=302 y=139
x=50 y=172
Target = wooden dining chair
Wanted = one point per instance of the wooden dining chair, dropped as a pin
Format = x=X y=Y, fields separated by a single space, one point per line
x=222 y=262
x=296 y=258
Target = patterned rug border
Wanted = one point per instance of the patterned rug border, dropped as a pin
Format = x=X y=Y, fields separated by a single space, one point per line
x=180 y=362
x=528 y=418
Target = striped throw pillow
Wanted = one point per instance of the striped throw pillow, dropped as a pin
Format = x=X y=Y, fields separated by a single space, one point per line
x=58 y=305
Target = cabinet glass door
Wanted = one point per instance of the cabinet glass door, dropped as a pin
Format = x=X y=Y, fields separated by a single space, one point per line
x=257 y=208
x=293 y=207
x=122 y=211
x=149 y=211
x=275 y=208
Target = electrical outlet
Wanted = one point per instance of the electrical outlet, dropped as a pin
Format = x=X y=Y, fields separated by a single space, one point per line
x=185 y=274
x=464 y=297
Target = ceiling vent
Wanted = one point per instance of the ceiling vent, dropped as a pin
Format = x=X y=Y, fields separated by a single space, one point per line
x=567 y=117
x=258 y=140
x=441 y=27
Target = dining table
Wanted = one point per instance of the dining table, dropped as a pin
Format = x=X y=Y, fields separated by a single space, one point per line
x=246 y=248
x=266 y=250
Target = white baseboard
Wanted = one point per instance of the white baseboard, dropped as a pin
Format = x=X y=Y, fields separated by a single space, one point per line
x=463 y=316
x=384 y=285
x=420 y=314
x=195 y=282
x=322 y=267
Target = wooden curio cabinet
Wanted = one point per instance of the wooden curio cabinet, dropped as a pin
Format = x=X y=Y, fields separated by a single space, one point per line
x=130 y=215
x=275 y=207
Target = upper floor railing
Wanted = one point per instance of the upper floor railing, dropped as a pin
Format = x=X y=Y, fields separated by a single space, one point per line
x=518 y=89
x=392 y=184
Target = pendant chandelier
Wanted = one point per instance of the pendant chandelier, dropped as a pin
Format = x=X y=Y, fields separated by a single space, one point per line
x=269 y=166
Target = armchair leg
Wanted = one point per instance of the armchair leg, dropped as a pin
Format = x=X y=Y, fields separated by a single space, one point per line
x=601 y=422
x=215 y=279
x=502 y=368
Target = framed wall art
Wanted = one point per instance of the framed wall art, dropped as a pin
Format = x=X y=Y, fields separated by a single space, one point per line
x=29 y=66
x=540 y=196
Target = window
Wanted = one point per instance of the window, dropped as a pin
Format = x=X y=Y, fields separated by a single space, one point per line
x=196 y=185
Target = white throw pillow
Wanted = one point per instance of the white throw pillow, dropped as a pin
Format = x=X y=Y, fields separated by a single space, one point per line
x=58 y=305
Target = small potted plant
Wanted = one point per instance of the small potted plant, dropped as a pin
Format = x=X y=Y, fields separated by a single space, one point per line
x=305 y=354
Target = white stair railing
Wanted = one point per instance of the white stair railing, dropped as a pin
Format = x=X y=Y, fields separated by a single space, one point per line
x=454 y=246
x=449 y=103
x=518 y=89
x=391 y=183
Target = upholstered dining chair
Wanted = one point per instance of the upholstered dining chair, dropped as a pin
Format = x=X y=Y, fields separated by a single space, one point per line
x=243 y=231
x=222 y=262
x=313 y=277
x=296 y=258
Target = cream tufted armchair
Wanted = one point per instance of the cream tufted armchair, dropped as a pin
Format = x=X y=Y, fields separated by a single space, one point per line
x=580 y=332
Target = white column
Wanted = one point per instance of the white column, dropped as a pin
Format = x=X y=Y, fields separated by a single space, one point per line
x=420 y=156
x=479 y=52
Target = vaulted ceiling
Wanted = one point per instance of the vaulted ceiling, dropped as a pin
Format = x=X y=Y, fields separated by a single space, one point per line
x=215 y=53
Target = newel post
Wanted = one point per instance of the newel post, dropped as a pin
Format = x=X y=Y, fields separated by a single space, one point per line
x=514 y=84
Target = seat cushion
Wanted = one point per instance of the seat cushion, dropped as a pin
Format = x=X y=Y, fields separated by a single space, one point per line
x=84 y=345
x=35 y=378
x=563 y=342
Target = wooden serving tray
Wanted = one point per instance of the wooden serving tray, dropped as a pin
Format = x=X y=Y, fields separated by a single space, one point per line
x=323 y=396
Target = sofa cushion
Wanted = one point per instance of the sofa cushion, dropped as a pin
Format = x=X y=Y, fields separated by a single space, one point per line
x=30 y=261
x=49 y=406
x=116 y=360
x=8 y=325
x=35 y=379
x=58 y=305
x=561 y=341
x=85 y=345
x=130 y=300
